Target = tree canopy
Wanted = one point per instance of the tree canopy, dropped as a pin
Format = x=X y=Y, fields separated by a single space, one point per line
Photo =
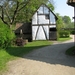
x=19 y=10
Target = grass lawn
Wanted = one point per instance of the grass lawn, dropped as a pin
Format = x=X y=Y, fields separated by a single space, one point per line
x=14 y=52
x=64 y=39
x=70 y=51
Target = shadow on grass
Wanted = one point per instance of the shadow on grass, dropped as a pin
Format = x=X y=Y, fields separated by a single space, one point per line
x=20 y=51
x=71 y=51
x=54 y=54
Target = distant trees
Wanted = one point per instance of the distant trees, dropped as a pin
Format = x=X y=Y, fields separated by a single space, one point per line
x=66 y=19
x=64 y=22
x=67 y=22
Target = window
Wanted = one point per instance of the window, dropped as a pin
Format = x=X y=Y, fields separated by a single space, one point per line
x=52 y=29
x=46 y=10
x=52 y=18
x=47 y=16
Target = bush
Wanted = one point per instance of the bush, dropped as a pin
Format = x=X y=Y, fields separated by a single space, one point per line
x=6 y=35
x=72 y=31
x=19 y=42
x=64 y=34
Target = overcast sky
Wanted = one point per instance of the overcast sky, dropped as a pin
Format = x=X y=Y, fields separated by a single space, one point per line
x=63 y=9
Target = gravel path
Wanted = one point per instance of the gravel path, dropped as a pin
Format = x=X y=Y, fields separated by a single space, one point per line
x=50 y=60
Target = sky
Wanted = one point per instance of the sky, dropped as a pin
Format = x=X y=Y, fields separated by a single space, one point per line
x=63 y=8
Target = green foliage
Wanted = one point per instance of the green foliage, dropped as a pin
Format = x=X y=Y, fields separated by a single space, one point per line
x=6 y=35
x=72 y=31
x=64 y=39
x=18 y=10
x=4 y=58
x=60 y=24
x=64 y=34
x=70 y=25
x=67 y=22
x=20 y=0
x=13 y=11
x=51 y=7
x=27 y=12
x=66 y=19
x=71 y=51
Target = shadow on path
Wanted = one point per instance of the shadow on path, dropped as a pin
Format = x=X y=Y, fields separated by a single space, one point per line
x=54 y=54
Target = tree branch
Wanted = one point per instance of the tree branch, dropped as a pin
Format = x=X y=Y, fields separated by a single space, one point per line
x=7 y=14
x=2 y=17
x=15 y=12
x=23 y=5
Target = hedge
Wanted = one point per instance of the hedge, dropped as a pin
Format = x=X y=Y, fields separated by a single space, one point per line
x=64 y=34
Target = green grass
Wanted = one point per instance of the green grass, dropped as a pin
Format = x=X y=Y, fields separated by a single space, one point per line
x=70 y=51
x=4 y=58
x=14 y=52
x=64 y=39
x=20 y=51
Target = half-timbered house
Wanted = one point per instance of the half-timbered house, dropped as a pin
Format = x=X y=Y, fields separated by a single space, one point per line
x=42 y=26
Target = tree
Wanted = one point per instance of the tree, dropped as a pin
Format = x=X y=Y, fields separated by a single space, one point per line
x=51 y=5
x=71 y=25
x=67 y=21
x=18 y=10
x=27 y=12
x=60 y=23
x=9 y=9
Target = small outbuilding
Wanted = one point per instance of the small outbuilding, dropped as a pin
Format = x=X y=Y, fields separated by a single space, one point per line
x=42 y=26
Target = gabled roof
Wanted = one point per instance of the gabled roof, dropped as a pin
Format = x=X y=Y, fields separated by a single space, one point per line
x=48 y=8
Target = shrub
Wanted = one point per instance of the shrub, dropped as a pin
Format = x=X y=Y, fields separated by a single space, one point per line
x=72 y=31
x=19 y=42
x=6 y=35
x=64 y=34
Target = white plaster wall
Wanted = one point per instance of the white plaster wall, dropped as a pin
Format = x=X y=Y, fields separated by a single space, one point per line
x=47 y=31
x=34 y=30
x=42 y=19
x=52 y=26
x=40 y=34
x=34 y=18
